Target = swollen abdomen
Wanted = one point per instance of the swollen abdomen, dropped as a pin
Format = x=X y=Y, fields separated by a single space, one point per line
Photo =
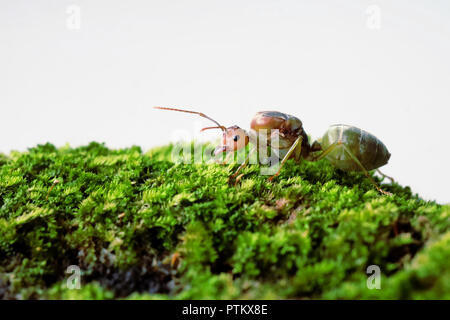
x=369 y=150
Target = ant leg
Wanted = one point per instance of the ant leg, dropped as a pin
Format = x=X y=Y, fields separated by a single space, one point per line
x=298 y=151
x=227 y=157
x=324 y=152
x=297 y=147
x=55 y=182
x=243 y=165
x=238 y=178
x=365 y=171
x=332 y=147
x=386 y=176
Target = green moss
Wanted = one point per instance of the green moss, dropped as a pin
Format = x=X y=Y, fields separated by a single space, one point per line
x=142 y=227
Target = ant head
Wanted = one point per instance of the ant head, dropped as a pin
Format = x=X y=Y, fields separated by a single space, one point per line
x=234 y=138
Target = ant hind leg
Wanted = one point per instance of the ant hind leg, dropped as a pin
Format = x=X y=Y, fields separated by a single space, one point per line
x=385 y=176
x=365 y=171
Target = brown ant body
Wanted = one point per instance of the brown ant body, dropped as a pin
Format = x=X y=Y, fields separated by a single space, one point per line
x=346 y=147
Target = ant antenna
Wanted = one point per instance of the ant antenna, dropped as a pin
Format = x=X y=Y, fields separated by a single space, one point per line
x=207 y=128
x=219 y=126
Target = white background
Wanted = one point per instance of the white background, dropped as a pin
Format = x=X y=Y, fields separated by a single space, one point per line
x=325 y=62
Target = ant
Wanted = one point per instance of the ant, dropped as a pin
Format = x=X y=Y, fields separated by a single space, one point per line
x=346 y=147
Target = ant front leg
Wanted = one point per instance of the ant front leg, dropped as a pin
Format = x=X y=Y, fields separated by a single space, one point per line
x=242 y=166
x=297 y=147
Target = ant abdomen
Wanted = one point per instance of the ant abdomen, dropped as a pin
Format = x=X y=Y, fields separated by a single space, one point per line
x=368 y=149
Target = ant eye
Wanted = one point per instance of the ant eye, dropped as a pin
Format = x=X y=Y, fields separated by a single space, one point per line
x=236 y=138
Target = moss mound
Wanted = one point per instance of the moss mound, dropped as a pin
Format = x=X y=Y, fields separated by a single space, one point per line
x=139 y=226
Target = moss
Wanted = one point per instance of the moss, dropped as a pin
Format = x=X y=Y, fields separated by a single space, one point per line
x=142 y=227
